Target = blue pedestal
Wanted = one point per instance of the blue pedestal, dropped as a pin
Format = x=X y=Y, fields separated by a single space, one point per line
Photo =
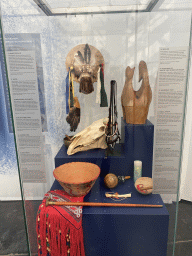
x=115 y=164
x=138 y=145
x=122 y=231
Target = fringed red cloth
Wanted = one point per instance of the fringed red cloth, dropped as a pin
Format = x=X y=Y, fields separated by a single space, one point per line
x=59 y=228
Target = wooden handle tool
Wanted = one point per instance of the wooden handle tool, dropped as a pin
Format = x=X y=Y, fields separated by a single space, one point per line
x=48 y=202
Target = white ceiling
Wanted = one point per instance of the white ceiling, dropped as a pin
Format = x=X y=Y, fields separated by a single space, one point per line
x=78 y=6
x=19 y=7
x=30 y=7
x=74 y=6
x=56 y=4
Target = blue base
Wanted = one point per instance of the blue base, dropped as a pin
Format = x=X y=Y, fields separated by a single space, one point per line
x=138 y=145
x=121 y=231
x=114 y=231
x=115 y=164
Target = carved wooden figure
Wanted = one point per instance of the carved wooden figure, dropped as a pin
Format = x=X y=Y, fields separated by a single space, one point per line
x=135 y=104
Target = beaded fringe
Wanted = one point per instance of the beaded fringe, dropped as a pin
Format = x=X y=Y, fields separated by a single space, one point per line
x=56 y=236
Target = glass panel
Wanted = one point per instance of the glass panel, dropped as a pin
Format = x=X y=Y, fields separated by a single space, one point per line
x=36 y=53
x=13 y=228
x=95 y=6
x=183 y=238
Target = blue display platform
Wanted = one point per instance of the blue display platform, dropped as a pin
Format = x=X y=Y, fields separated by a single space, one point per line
x=138 y=145
x=112 y=231
x=122 y=231
x=115 y=164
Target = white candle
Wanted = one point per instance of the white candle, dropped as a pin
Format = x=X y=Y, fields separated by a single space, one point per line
x=137 y=169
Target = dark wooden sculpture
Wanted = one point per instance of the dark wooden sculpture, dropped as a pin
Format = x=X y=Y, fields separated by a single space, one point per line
x=135 y=104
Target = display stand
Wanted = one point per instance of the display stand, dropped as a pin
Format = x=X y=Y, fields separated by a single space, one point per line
x=122 y=231
x=138 y=145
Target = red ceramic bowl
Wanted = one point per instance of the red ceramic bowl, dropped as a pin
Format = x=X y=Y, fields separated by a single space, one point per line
x=77 y=178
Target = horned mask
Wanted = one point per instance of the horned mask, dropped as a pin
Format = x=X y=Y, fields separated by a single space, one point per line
x=84 y=61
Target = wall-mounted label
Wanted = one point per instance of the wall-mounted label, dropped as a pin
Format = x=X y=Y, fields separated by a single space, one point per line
x=26 y=113
x=171 y=89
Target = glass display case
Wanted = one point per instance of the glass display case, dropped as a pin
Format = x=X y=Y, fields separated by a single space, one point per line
x=110 y=77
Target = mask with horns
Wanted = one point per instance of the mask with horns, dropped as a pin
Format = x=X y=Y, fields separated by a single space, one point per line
x=84 y=60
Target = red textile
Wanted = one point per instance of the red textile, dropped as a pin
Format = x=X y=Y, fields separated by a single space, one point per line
x=59 y=228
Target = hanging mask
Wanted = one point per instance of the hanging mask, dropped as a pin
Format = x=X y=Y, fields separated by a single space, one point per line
x=84 y=60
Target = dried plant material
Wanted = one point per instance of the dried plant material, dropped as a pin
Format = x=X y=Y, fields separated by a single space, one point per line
x=73 y=117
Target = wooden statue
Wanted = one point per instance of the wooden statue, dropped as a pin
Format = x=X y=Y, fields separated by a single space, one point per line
x=135 y=104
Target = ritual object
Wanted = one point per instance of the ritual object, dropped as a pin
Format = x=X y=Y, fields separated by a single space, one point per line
x=85 y=61
x=49 y=203
x=85 y=65
x=72 y=103
x=112 y=131
x=59 y=228
x=117 y=195
x=73 y=117
x=77 y=178
x=111 y=180
x=135 y=104
x=144 y=185
x=91 y=137
x=137 y=169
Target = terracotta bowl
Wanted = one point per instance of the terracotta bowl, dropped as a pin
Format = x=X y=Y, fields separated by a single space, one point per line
x=77 y=178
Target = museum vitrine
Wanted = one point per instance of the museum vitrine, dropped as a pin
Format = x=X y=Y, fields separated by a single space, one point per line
x=94 y=97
